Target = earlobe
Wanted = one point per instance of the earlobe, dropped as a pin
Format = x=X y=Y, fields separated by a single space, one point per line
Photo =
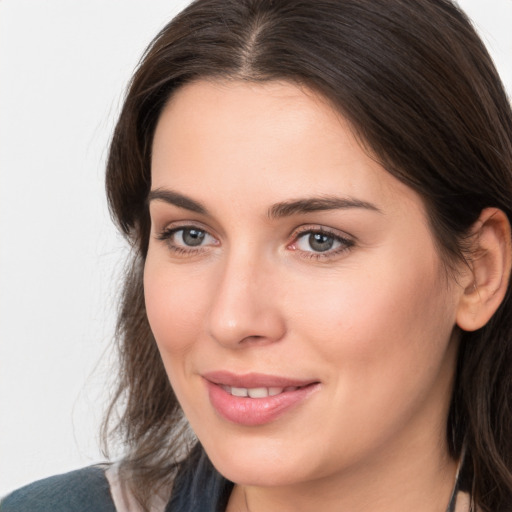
x=490 y=263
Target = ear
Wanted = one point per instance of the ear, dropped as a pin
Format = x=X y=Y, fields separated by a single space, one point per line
x=486 y=282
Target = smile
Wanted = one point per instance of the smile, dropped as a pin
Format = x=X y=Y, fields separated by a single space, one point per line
x=255 y=399
x=257 y=392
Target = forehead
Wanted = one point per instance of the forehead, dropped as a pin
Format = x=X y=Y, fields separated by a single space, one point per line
x=243 y=94
x=248 y=113
x=264 y=140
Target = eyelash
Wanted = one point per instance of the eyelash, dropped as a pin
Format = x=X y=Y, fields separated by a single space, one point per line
x=168 y=233
x=345 y=244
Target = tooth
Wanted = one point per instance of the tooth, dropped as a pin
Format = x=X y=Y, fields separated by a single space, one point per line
x=274 y=391
x=239 y=391
x=258 y=392
x=291 y=388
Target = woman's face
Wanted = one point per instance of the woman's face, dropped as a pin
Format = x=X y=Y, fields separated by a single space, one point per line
x=293 y=286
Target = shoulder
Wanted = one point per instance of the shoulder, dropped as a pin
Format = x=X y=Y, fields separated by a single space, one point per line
x=83 y=490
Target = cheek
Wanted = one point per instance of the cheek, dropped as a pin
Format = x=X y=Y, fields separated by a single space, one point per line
x=381 y=335
x=380 y=320
x=173 y=305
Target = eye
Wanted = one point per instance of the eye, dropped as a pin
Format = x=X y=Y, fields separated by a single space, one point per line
x=320 y=243
x=317 y=242
x=190 y=237
x=187 y=238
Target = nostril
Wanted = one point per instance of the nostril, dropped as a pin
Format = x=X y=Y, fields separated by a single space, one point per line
x=252 y=339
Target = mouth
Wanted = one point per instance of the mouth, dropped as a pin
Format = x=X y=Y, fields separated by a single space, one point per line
x=262 y=392
x=255 y=399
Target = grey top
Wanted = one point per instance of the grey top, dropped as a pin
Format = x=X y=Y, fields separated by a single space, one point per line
x=198 y=488
x=84 y=490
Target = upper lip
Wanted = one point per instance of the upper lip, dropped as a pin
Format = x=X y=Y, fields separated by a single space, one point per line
x=254 y=380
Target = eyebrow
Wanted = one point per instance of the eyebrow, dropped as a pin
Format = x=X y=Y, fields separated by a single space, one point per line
x=276 y=211
x=316 y=204
x=176 y=199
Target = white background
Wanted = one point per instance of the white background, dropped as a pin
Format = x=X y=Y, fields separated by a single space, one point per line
x=64 y=65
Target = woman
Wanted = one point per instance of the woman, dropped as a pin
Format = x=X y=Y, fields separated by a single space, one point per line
x=318 y=196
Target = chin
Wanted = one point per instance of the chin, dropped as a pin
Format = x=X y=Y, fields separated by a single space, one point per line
x=254 y=464
x=248 y=473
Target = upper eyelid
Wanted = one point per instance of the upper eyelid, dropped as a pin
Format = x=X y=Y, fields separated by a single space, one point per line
x=343 y=240
x=182 y=224
x=175 y=229
x=318 y=228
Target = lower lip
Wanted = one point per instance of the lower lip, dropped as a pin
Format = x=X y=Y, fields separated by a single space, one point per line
x=255 y=411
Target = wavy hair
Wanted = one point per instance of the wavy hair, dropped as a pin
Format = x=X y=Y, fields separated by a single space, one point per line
x=422 y=94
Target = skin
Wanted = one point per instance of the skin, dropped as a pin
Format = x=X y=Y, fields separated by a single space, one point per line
x=372 y=320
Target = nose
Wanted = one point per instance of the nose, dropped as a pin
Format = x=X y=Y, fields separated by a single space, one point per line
x=246 y=306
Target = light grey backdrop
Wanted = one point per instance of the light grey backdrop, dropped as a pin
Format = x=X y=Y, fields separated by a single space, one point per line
x=64 y=65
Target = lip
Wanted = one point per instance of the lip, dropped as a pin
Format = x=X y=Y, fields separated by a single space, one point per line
x=254 y=380
x=248 y=411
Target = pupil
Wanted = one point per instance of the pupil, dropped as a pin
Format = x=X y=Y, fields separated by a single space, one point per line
x=193 y=236
x=320 y=242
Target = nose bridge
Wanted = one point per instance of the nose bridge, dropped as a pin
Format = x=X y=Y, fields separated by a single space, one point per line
x=245 y=306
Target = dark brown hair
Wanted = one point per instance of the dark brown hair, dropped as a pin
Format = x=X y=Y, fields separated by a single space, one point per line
x=421 y=92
